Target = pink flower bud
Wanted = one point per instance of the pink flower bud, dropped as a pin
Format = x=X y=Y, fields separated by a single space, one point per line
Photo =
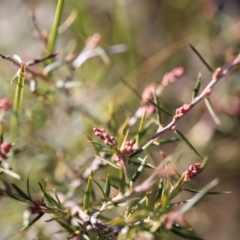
x=104 y=136
x=5 y=104
x=192 y=172
x=172 y=76
x=5 y=148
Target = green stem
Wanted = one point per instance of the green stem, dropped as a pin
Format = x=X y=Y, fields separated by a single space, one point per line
x=54 y=31
x=17 y=104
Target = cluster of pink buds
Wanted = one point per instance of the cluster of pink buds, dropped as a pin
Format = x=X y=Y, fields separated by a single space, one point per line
x=149 y=91
x=182 y=110
x=108 y=139
x=128 y=148
x=120 y=155
x=124 y=154
x=147 y=94
x=192 y=172
x=172 y=76
x=5 y=104
x=5 y=148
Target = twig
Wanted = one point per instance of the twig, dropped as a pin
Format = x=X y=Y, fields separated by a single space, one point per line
x=84 y=55
x=182 y=111
x=143 y=187
x=39 y=60
x=39 y=32
x=29 y=63
x=91 y=222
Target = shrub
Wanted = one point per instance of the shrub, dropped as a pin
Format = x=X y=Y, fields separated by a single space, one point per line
x=129 y=187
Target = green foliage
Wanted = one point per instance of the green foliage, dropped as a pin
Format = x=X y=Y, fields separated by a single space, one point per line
x=82 y=147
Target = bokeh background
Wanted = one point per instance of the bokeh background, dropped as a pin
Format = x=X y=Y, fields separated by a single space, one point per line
x=157 y=34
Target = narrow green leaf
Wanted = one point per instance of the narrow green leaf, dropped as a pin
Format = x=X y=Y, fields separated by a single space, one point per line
x=122 y=183
x=203 y=164
x=32 y=222
x=136 y=215
x=183 y=138
x=117 y=221
x=201 y=58
x=18 y=199
x=87 y=196
x=176 y=189
x=213 y=193
x=65 y=226
x=140 y=129
x=28 y=188
x=147 y=201
x=160 y=108
x=122 y=128
x=46 y=196
x=124 y=141
x=42 y=188
x=160 y=190
x=162 y=141
x=164 y=203
x=196 y=198
x=58 y=200
x=112 y=185
x=212 y=111
x=159 y=113
x=197 y=86
x=178 y=203
x=48 y=199
x=17 y=103
x=21 y=193
x=54 y=219
x=168 y=140
x=186 y=233
x=45 y=185
x=107 y=187
x=54 y=202
x=111 y=163
x=137 y=203
x=99 y=187
x=138 y=172
x=147 y=165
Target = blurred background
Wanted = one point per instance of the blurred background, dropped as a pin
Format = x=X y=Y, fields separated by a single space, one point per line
x=155 y=35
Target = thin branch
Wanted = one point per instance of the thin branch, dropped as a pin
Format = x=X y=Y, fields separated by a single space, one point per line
x=29 y=63
x=39 y=32
x=217 y=76
x=143 y=187
x=39 y=60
